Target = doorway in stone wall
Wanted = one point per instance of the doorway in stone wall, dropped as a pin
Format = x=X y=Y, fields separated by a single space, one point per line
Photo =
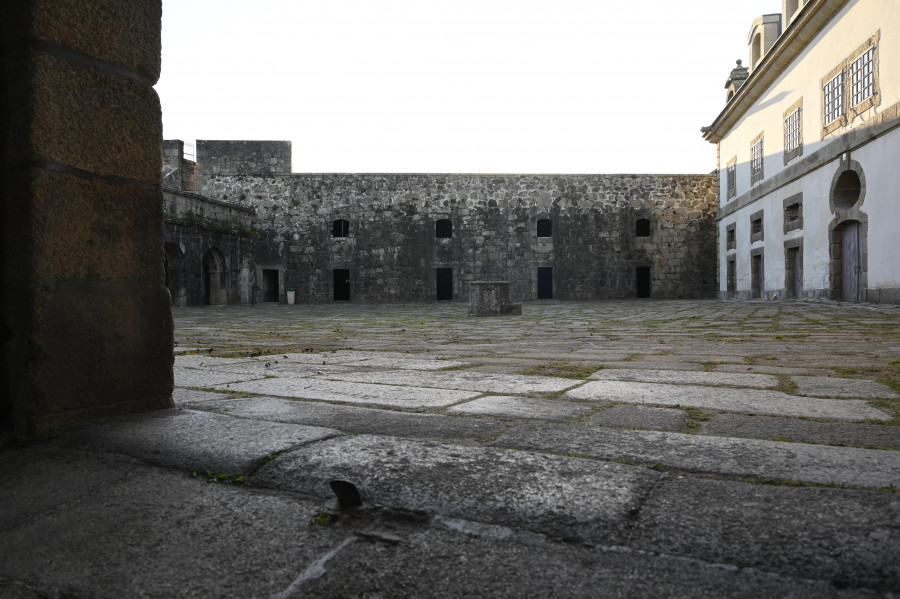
x=730 y=279
x=444 y=283
x=341 y=284
x=214 y=279
x=270 y=291
x=793 y=272
x=175 y=274
x=642 y=276
x=545 y=282
x=757 y=275
x=851 y=262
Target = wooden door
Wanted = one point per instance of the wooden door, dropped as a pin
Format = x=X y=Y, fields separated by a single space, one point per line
x=851 y=264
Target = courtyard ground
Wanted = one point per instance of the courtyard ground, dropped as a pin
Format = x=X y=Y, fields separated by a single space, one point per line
x=633 y=448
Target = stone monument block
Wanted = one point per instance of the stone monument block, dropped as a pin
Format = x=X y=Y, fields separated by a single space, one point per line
x=491 y=298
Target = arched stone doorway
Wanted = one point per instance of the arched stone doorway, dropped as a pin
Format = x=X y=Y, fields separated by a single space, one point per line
x=176 y=280
x=214 y=282
x=849 y=232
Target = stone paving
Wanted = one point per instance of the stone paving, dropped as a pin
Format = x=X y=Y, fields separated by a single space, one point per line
x=809 y=363
x=678 y=448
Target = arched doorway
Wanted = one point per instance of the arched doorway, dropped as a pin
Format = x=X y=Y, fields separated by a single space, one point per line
x=848 y=247
x=214 y=282
x=175 y=274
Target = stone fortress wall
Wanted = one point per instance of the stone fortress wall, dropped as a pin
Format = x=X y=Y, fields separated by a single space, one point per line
x=390 y=248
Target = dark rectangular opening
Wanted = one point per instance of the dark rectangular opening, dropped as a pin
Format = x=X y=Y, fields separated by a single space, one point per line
x=270 y=285
x=340 y=228
x=443 y=229
x=642 y=227
x=545 y=282
x=642 y=274
x=444 y=279
x=544 y=227
x=756 y=275
x=341 y=284
x=730 y=280
x=793 y=272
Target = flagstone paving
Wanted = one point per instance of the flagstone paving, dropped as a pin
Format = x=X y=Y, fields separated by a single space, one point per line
x=755 y=401
x=616 y=448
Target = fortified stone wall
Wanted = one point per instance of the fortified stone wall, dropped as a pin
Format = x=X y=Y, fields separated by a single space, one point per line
x=392 y=252
x=254 y=158
x=209 y=250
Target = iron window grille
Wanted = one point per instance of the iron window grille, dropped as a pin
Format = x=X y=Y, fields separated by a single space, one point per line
x=834 y=98
x=792 y=137
x=756 y=161
x=731 y=177
x=862 y=77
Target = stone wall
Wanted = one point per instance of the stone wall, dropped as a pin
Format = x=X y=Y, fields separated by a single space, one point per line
x=253 y=158
x=178 y=172
x=209 y=250
x=86 y=326
x=392 y=252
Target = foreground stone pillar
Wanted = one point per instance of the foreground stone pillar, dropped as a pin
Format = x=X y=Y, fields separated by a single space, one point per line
x=86 y=326
x=491 y=298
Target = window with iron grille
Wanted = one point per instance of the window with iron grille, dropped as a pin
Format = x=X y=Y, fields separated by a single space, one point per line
x=834 y=98
x=756 y=161
x=731 y=177
x=862 y=77
x=792 y=138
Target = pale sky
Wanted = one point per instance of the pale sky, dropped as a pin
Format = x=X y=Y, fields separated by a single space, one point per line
x=486 y=86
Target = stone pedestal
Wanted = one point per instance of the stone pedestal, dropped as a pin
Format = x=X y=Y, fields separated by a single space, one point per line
x=491 y=298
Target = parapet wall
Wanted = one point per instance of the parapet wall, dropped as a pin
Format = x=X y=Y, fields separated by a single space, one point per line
x=392 y=253
x=244 y=158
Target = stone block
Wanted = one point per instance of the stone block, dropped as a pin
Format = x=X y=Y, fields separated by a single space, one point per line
x=120 y=33
x=754 y=401
x=349 y=392
x=522 y=407
x=94 y=120
x=746 y=458
x=79 y=228
x=192 y=440
x=94 y=349
x=491 y=298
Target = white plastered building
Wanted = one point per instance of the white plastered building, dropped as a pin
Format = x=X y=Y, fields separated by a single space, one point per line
x=809 y=156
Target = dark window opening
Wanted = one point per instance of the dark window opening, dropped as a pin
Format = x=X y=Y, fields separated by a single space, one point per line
x=341 y=284
x=642 y=227
x=443 y=228
x=545 y=227
x=793 y=217
x=270 y=285
x=730 y=242
x=731 y=178
x=545 y=282
x=642 y=274
x=444 y=279
x=340 y=228
x=756 y=227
